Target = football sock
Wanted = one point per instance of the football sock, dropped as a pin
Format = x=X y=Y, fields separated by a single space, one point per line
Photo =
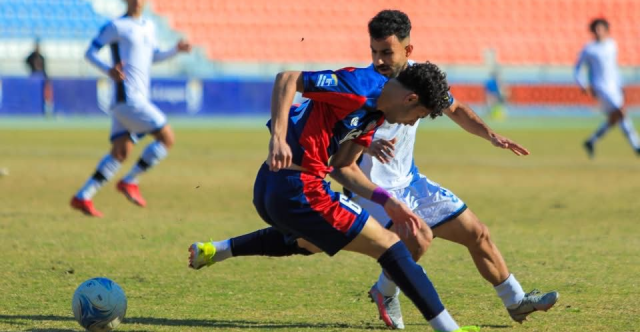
x=627 y=128
x=415 y=284
x=444 y=322
x=106 y=169
x=265 y=242
x=604 y=127
x=386 y=286
x=510 y=292
x=223 y=250
x=152 y=154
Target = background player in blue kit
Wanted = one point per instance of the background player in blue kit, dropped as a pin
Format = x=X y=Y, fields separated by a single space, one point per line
x=132 y=40
x=338 y=121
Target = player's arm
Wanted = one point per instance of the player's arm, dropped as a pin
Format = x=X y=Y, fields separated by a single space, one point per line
x=181 y=46
x=466 y=118
x=107 y=35
x=284 y=90
x=584 y=86
x=349 y=175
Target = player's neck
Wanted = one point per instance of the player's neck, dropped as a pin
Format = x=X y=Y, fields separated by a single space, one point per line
x=134 y=13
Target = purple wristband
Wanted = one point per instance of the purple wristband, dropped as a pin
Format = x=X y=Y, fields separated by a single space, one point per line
x=380 y=196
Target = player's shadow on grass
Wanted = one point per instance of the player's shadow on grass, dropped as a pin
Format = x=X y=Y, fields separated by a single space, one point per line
x=247 y=324
x=209 y=323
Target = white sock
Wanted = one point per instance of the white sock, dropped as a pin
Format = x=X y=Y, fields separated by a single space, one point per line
x=106 y=169
x=223 y=250
x=386 y=286
x=510 y=292
x=627 y=128
x=152 y=154
x=599 y=133
x=444 y=322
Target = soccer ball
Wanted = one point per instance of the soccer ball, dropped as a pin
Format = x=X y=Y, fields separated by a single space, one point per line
x=99 y=305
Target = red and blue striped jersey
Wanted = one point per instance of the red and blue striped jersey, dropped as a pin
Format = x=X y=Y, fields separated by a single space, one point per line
x=341 y=106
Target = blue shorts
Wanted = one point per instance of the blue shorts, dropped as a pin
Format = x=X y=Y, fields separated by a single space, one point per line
x=301 y=205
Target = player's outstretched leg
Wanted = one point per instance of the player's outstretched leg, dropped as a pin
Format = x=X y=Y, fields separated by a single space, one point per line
x=467 y=230
x=264 y=242
x=152 y=155
x=155 y=152
x=589 y=145
x=82 y=200
x=630 y=132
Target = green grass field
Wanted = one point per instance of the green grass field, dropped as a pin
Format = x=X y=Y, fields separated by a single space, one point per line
x=562 y=222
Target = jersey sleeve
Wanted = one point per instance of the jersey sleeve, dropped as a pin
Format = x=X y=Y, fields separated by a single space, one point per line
x=366 y=138
x=342 y=88
x=107 y=35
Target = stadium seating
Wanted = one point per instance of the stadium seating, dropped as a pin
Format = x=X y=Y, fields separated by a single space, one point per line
x=48 y=19
x=531 y=32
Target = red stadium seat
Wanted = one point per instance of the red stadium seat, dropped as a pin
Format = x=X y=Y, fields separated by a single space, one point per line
x=453 y=31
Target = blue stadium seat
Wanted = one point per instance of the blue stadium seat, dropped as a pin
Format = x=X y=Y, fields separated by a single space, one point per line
x=50 y=19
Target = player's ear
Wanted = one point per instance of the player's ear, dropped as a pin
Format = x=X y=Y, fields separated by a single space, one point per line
x=411 y=99
x=408 y=49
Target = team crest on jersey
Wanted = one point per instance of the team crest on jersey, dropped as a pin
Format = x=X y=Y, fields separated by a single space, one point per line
x=326 y=80
x=354 y=121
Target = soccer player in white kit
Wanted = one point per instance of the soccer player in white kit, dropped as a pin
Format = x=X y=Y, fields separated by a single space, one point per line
x=133 y=44
x=389 y=163
x=604 y=83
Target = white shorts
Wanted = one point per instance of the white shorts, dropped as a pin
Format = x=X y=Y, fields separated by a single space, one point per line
x=135 y=118
x=433 y=203
x=610 y=100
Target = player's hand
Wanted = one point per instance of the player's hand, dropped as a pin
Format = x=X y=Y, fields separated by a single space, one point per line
x=405 y=220
x=588 y=91
x=280 y=155
x=183 y=46
x=505 y=143
x=382 y=150
x=116 y=73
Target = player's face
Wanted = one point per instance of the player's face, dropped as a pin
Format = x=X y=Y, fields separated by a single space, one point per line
x=601 y=32
x=390 y=55
x=406 y=109
x=136 y=5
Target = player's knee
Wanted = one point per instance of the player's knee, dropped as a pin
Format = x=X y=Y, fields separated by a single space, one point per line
x=165 y=136
x=419 y=244
x=306 y=248
x=481 y=234
x=119 y=153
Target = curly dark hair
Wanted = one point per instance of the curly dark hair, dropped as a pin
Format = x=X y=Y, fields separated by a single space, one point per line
x=596 y=22
x=390 y=22
x=430 y=84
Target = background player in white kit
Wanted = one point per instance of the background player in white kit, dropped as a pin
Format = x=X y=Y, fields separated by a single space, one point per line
x=604 y=83
x=132 y=40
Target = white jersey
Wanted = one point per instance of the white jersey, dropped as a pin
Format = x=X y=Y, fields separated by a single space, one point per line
x=400 y=171
x=133 y=44
x=601 y=60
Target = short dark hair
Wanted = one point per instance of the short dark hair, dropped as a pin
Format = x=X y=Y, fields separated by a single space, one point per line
x=430 y=84
x=390 y=22
x=597 y=22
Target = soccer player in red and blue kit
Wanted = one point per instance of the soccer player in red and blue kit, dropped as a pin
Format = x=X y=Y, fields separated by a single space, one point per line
x=338 y=122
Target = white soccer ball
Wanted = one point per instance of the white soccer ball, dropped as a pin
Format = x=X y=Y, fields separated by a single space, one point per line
x=99 y=305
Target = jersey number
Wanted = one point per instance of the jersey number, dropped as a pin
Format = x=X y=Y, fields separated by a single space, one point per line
x=353 y=206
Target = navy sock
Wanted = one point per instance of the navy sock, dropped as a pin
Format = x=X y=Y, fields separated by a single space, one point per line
x=265 y=242
x=411 y=279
